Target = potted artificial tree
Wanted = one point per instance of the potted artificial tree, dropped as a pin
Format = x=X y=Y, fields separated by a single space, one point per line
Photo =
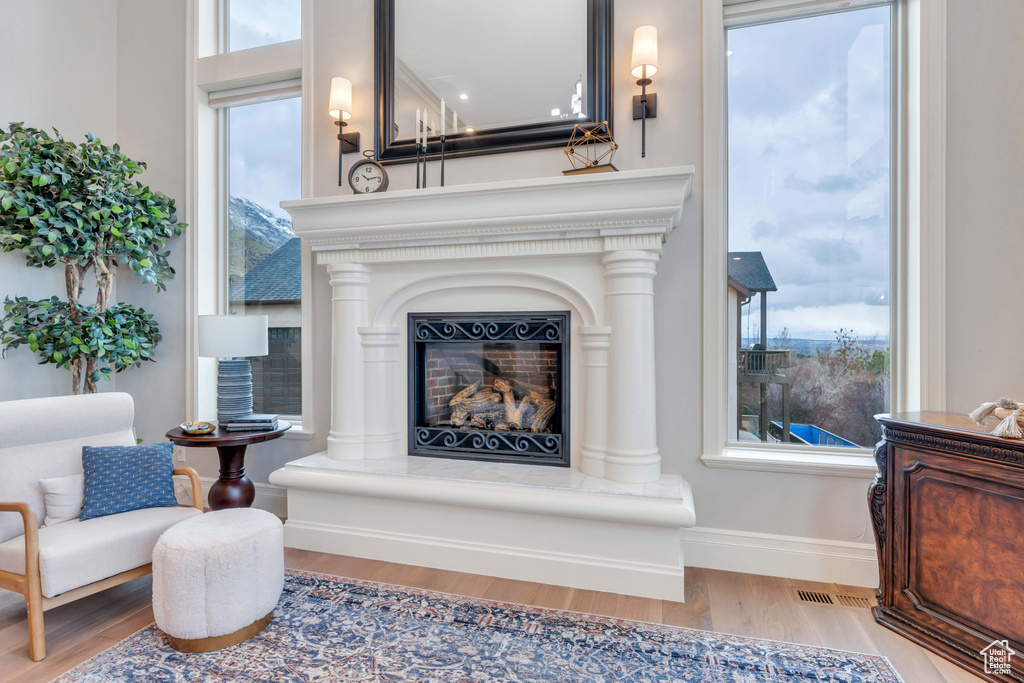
x=77 y=205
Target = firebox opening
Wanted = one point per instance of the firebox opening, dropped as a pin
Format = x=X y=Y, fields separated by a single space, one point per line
x=489 y=387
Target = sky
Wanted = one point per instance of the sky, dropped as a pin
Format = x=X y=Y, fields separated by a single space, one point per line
x=266 y=152
x=809 y=157
x=253 y=23
x=265 y=140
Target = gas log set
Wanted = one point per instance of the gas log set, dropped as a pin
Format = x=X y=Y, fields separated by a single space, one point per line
x=506 y=405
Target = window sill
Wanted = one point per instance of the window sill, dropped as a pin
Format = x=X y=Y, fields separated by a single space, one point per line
x=790 y=461
x=297 y=432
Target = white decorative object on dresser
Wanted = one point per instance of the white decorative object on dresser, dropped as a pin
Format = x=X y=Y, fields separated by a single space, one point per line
x=588 y=245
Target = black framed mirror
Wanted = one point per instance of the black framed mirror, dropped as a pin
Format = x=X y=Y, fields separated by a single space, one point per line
x=514 y=75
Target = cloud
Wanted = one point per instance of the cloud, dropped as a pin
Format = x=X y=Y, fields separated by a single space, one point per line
x=851 y=180
x=815 y=204
x=832 y=252
x=263 y=22
x=265 y=155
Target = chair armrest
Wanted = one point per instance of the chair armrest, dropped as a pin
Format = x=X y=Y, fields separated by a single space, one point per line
x=31 y=522
x=197 y=488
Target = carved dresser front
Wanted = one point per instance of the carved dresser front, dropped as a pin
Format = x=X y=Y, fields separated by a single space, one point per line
x=947 y=508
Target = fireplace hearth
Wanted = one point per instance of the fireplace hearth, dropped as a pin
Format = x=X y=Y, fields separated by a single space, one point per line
x=490 y=387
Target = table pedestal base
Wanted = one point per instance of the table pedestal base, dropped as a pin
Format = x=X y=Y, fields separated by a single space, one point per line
x=232 y=489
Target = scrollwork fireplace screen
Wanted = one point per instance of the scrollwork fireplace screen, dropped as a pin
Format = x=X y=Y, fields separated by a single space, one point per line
x=491 y=387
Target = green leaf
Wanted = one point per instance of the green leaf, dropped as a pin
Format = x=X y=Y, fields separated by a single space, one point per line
x=6 y=203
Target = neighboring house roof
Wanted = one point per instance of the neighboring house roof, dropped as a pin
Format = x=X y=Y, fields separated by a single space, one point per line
x=275 y=279
x=739 y=287
x=749 y=269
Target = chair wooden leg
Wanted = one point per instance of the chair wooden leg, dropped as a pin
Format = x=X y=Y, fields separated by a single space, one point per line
x=36 y=632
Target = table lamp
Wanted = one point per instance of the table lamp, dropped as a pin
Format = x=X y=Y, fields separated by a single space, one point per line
x=233 y=339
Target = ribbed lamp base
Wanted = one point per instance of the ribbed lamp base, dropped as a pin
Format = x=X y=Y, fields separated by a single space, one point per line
x=234 y=389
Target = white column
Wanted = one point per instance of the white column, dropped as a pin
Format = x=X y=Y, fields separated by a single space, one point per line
x=632 y=453
x=380 y=365
x=594 y=342
x=349 y=284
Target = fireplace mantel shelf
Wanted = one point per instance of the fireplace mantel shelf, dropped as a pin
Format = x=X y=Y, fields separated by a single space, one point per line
x=644 y=202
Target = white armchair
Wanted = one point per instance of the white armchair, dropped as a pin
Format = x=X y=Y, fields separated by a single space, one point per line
x=54 y=565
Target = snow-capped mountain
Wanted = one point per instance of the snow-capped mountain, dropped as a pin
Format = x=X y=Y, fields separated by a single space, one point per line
x=263 y=232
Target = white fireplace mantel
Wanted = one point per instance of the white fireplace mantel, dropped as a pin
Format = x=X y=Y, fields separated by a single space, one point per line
x=589 y=245
x=647 y=202
x=607 y=230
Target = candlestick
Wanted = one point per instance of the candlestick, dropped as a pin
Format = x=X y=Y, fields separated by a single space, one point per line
x=455 y=122
x=417 y=134
x=443 y=126
x=425 y=147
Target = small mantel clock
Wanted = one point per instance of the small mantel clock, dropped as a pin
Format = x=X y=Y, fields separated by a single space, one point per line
x=367 y=176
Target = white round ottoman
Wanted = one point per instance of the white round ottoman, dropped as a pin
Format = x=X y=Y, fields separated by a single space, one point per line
x=217 y=578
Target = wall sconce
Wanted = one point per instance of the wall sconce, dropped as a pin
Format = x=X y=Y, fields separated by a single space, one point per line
x=341 y=109
x=644 y=65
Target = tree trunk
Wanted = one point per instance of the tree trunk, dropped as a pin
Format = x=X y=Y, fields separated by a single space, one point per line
x=104 y=287
x=73 y=285
x=76 y=376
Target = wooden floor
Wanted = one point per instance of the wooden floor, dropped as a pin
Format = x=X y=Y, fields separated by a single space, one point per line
x=743 y=604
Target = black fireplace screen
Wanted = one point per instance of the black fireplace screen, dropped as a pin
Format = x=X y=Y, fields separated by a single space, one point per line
x=490 y=387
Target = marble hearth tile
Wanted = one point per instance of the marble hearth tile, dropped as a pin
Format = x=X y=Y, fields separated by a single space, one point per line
x=555 y=477
x=506 y=474
x=663 y=488
x=598 y=484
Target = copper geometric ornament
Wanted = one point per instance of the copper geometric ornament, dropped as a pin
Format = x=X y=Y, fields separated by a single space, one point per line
x=590 y=149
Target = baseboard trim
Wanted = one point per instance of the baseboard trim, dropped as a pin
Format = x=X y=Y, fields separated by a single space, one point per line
x=526 y=564
x=793 y=557
x=268 y=497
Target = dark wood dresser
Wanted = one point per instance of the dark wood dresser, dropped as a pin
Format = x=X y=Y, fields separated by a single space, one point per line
x=947 y=507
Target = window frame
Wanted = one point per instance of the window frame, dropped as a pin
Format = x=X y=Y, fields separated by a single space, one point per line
x=242 y=77
x=917 y=256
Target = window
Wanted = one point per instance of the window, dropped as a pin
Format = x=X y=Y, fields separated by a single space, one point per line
x=254 y=23
x=264 y=255
x=809 y=187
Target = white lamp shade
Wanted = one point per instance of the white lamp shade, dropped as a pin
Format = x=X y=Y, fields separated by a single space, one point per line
x=645 y=52
x=232 y=336
x=341 y=98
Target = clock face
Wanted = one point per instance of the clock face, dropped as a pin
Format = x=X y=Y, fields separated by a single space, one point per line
x=367 y=177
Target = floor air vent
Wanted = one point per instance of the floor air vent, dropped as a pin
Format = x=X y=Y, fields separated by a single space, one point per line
x=815 y=597
x=839 y=600
x=854 y=601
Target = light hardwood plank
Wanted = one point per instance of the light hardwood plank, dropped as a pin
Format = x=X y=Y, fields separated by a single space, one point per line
x=695 y=611
x=952 y=673
x=594 y=602
x=757 y=606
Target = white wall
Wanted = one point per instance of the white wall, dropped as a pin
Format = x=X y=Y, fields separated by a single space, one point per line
x=986 y=240
x=151 y=128
x=58 y=68
x=985 y=203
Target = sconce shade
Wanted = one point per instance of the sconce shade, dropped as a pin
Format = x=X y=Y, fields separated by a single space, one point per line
x=232 y=336
x=341 y=98
x=645 y=52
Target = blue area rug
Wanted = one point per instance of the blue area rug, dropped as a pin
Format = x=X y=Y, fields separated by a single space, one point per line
x=330 y=629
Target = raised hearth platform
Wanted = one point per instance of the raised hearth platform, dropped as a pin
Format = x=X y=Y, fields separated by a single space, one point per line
x=544 y=524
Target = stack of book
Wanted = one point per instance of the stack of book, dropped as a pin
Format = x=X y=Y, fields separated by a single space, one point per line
x=254 y=422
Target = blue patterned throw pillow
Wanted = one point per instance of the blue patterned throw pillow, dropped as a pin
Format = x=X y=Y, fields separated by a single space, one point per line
x=124 y=478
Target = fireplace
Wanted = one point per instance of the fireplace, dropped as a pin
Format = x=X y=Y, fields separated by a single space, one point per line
x=491 y=387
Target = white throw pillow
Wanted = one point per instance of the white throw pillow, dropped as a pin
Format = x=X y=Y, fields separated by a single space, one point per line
x=63 y=496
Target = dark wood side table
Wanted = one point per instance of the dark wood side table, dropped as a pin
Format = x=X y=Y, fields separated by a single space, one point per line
x=947 y=508
x=232 y=488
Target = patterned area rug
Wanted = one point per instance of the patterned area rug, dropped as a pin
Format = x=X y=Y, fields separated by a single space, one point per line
x=329 y=629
